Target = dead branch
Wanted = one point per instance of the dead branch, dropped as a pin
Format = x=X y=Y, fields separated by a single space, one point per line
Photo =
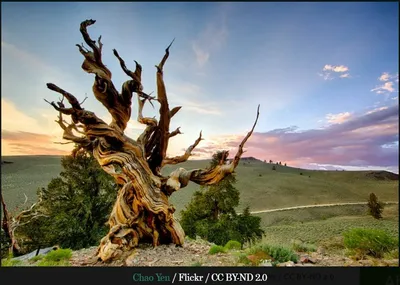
x=180 y=177
x=184 y=157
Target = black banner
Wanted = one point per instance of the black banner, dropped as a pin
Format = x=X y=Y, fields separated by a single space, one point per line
x=200 y=275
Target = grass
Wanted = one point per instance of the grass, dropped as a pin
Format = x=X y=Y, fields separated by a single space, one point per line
x=260 y=252
x=8 y=262
x=328 y=232
x=25 y=175
x=216 y=249
x=233 y=244
x=255 y=179
x=365 y=241
x=301 y=246
x=59 y=257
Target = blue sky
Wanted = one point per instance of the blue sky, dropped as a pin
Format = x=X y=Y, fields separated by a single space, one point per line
x=319 y=67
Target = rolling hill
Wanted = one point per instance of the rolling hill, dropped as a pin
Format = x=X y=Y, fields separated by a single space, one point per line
x=260 y=186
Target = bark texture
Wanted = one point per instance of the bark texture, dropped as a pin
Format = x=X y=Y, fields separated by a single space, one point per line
x=142 y=211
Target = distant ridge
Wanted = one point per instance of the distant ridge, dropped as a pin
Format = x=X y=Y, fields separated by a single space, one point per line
x=383 y=175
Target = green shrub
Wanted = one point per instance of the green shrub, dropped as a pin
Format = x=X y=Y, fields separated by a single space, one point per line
x=278 y=254
x=242 y=258
x=375 y=208
x=72 y=209
x=58 y=255
x=303 y=247
x=216 y=249
x=233 y=244
x=369 y=242
x=8 y=262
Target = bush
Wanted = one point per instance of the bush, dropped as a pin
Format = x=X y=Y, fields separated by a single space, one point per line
x=216 y=249
x=278 y=254
x=233 y=244
x=371 y=242
x=375 y=208
x=211 y=213
x=8 y=262
x=59 y=257
x=73 y=208
x=303 y=247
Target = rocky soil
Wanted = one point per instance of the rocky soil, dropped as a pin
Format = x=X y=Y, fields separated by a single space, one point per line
x=195 y=253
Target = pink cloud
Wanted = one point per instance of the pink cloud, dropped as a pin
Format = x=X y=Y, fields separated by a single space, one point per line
x=357 y=141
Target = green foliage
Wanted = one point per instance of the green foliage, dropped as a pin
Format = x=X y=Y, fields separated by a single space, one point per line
x=362 y=241
x=9 y=262
x=73 y=209
x=375 y=208
x=276 y=254
x=242 y=258
x=279 y=253
x=233 y=244
x=59 y=257
x=303 y=246
x=216 y=249
x=249 y=227
x=211 y=213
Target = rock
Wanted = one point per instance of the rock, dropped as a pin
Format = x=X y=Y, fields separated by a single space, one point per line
x=266 y=263
x=43 y=251
x=151 y=263
x=285 y=264
x=304 y=259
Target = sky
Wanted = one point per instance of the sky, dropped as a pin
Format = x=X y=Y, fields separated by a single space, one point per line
x=325 y=76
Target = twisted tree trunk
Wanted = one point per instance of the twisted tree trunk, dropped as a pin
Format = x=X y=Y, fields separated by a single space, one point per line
x=142 y=211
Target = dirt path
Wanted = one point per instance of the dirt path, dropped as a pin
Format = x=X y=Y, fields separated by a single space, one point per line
x=315 y=206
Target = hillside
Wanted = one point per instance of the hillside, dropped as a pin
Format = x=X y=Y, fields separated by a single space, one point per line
x=260 y=187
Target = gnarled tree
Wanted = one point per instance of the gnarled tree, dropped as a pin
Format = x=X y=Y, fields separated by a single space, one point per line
x=142 y=211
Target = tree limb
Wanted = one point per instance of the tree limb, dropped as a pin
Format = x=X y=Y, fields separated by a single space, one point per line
x=185 y=156
x=161 y=134
x=180 y=177
x=176 y=132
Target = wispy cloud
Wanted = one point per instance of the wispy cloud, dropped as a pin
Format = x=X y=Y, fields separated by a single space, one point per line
x=328 y=72
x=389 y=84
x=211 y=39
x=357 y=141
x=338 y=118
x=27 y=143
x=22 y=134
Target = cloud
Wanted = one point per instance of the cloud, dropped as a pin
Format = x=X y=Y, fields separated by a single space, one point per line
x=389 y=84
x=211 y=39
x=384 y=77
x=359 y=140
x=338 y=118
x=328 y=71
x=28 y=143
x=376 y=110
x=24 y=135
x=339 y=68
